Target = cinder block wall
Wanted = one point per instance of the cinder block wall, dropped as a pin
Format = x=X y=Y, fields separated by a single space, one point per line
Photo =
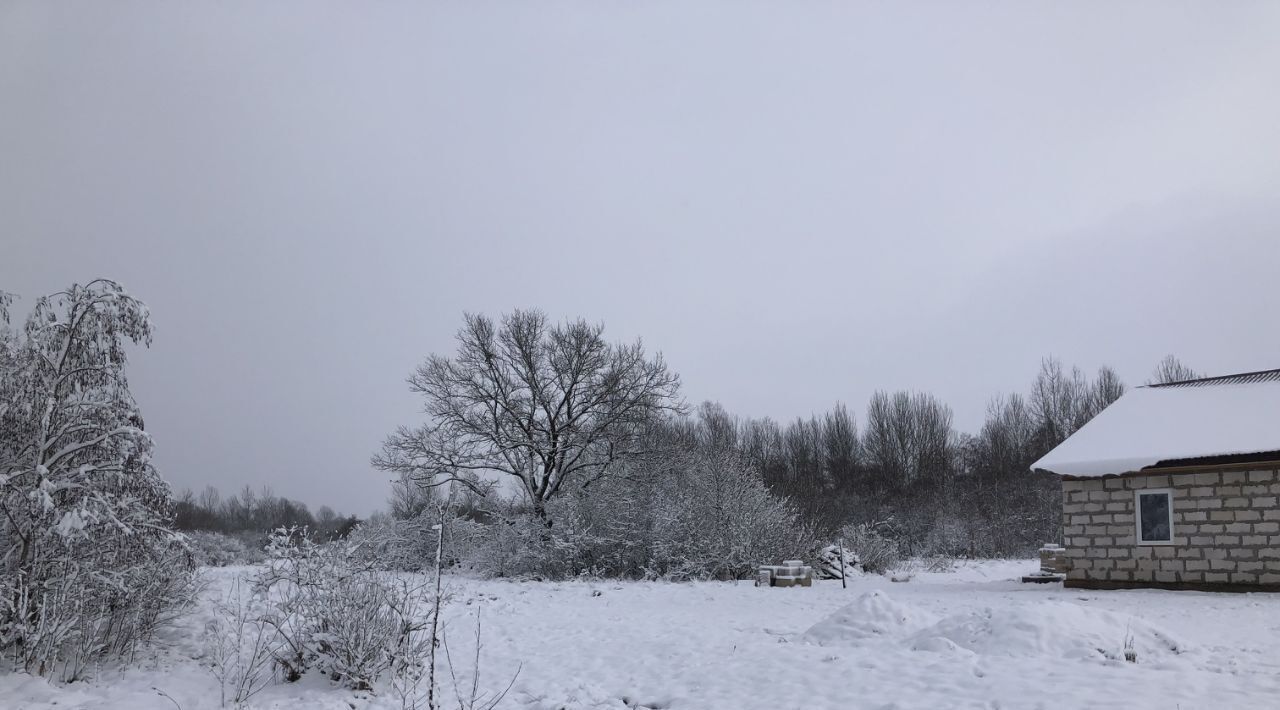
x=1226 y=529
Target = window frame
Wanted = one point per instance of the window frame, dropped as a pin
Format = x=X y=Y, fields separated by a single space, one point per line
x=1137 y=514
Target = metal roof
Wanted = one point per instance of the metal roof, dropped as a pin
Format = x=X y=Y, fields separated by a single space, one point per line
x=1203 y=421
x=1243 y=378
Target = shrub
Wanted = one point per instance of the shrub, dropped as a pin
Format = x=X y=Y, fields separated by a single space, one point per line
x=876 y=552
x=337 y=612
x=88 y=567
x=240 y=644
x=703 y=517
x=93 y=600
x=214 y=549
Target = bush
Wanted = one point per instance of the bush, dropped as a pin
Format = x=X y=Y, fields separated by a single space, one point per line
x=240 y=644
x=875 y=552
x=335 y=611
x=213 y=549
x=88 y=566
x=706 y=517
x=94 y=599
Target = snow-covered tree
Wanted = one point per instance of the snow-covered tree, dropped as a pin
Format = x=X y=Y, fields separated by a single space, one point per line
x=89 y=564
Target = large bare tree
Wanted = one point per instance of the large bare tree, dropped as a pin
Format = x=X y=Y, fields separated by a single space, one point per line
x=549 y=405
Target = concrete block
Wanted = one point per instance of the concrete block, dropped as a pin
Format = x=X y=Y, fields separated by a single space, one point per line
x=1211 y=478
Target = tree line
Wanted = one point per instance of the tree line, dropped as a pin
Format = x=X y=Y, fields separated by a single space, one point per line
x=557 y=409
x=256 y=513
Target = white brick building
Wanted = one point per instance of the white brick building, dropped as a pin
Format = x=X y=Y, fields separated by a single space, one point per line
x=1176 y=486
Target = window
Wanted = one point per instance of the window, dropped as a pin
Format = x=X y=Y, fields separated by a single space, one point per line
x=1154 y=516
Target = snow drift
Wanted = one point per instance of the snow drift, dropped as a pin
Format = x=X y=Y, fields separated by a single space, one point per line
x=1047 y=629
x=872 y=615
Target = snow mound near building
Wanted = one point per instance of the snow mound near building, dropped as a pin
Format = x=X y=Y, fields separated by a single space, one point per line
x=872 y=615
x=1048 y=629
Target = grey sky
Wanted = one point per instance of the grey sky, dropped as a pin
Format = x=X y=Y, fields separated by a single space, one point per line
x=797 y=202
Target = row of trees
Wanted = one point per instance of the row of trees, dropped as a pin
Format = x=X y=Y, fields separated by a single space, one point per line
x=255 y=513
x=558 y=410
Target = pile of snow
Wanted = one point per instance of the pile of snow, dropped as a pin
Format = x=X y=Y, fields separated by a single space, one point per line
x=1048 y=629
x=872 y=615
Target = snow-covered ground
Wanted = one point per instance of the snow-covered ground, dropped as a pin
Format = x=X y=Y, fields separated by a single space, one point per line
x=971 y=638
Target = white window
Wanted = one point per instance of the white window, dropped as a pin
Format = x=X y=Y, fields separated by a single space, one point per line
x=1153 y=513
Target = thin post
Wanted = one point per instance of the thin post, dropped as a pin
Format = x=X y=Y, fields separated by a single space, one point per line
x=435 y=614
x=844 y=583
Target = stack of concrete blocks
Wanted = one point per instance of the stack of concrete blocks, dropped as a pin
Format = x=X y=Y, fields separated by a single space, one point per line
x=1053 y=559
x=791 y=573
x=1053 y=565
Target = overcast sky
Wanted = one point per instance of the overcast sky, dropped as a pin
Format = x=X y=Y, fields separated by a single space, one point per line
x=798 y=203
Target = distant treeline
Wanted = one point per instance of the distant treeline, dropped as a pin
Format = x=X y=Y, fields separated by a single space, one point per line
x=255 y=512
x=909 y=472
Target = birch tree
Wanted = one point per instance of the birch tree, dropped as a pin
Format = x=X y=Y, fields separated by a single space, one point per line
x=546 y=405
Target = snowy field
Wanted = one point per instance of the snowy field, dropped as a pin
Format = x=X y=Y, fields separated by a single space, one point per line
x=971 y=638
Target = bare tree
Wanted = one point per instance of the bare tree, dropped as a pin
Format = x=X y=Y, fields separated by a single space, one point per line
x=839 y=445
x=1062 y=401
x=544 y=404
x=1057 y=398
x=909 y=438
x=717 y=429
x=1105 y=389
x=408 y=499
x=1171 y=369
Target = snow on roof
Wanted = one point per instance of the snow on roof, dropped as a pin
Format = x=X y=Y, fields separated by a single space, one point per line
x=1218 y=416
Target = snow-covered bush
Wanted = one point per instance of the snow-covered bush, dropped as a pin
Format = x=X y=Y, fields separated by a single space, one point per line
x=698 y=517
x=720 y=521
x=214 y=549
x=409 y=545
x=88 y=566
x=875 y=552
x=240 y=643
x=336 y=611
